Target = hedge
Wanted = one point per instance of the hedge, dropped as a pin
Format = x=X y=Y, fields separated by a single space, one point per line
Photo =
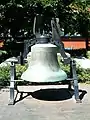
x=83 y=75
x=5 y=74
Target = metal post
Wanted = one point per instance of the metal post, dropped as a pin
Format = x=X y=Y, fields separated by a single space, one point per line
x=75 y=80
x=11 y=102
x=20 y=59
x=71 y=76
x=26 y=49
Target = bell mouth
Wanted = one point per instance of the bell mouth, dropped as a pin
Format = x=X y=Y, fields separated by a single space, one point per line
x=43 y=75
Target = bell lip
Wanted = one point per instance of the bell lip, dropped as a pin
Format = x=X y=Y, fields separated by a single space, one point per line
x=45 y=81
x=58 y=79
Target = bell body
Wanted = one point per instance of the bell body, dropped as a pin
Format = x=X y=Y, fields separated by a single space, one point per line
x=43 y=66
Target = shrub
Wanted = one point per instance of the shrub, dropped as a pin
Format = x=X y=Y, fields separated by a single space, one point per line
x=83 y=75
x=19 y=70
x=2 y=52
x=3 y=55
x=5 y=74
x=88 y=54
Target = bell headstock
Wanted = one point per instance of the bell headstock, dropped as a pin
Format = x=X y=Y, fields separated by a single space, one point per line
x=38 y=26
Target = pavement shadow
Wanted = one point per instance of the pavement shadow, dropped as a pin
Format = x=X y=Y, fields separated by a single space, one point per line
x=21 y=96
x=82 y=94
x=52 y=94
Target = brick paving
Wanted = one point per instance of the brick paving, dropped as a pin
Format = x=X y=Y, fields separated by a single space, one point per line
x=31 y=108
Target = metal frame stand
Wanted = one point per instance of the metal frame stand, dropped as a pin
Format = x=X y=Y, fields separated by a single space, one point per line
x=11 y=101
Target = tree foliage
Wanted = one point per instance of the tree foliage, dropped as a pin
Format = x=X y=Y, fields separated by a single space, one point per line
x=16 y=16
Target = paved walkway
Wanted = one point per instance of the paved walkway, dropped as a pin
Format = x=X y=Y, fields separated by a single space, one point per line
x=51 y=107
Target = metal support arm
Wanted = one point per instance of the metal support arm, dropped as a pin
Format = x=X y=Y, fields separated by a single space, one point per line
x=56 y=39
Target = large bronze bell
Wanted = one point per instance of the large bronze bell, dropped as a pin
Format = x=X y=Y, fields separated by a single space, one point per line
x=44 y=66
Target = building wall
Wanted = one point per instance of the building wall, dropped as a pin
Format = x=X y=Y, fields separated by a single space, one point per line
x=75 y=42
